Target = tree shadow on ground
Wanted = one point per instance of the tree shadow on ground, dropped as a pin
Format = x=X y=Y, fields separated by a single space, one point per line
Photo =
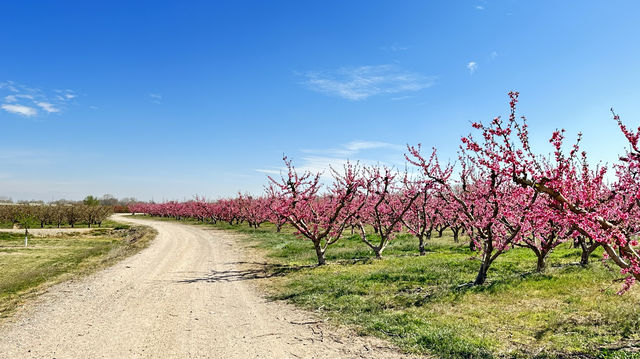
x=256 y=270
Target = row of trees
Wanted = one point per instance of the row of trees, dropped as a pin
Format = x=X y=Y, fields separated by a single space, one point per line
x=244 y=208
x=29 y=216
x=500 y=193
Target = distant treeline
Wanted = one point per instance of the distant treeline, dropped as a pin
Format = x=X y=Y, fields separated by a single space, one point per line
x=105 y=200
x=58 y=215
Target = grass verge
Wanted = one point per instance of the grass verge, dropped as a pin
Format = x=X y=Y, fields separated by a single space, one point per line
x=422 y=304
x=25 y=272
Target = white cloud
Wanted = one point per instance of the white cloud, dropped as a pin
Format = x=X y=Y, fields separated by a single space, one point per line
x=20 y=110
x=269 y=172
x=353 y=148
x=65 y=95
x=48 y=107
x=394 y=48
x=400 y=98
x=23 y=100
x=355 y=151
x=315 y=164
x=359 y=83
x=472 y=67
x=357 y=146
x=156 y=98
x=493 y=55
x=479 y=7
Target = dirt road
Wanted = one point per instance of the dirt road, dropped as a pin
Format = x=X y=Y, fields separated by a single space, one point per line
x=183 y=297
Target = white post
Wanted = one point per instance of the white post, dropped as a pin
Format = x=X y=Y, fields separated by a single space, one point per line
x=26 y=237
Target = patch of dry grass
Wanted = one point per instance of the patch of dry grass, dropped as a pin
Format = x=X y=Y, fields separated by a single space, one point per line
x=25 y=272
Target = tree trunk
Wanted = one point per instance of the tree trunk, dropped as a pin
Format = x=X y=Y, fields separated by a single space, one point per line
x=440 y=231
x=584 y=258
x=542 y=262
x=320 y=253
x=482 y=274
x=455 y=231
x=586 y=252
x=484 y=267
x=421 y=245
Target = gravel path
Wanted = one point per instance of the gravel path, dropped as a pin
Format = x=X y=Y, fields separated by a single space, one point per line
x=185 y=296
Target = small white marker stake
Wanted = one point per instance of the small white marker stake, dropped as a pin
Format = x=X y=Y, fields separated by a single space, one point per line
x=26 y=237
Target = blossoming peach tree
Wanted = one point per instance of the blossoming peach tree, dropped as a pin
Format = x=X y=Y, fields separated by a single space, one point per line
x=607 y=215
x=317 y=216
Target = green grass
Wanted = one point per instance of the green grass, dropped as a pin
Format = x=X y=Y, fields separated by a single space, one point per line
x=26 y=271
x=422 y=304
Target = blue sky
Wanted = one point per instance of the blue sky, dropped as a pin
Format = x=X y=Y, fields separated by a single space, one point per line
x=166 y=100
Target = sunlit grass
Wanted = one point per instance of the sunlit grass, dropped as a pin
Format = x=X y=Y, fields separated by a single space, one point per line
x=48 y=260
x=424 y=305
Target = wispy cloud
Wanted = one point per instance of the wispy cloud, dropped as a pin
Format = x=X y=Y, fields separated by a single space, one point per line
x=472 y=67
x=480 y=7
x=49 y=107
x=357 y=146
x=65 y=95
x=359 y=83
x=355 y=151
x=25 y=101
x=352 y=148
x=315 y=164
x=394 y=48
x=156 y=98
x=269 y=172
x=21 y=110
x=493 y=55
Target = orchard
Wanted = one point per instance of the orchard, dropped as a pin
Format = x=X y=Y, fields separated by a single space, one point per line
x=499 y=195
x=53 y=215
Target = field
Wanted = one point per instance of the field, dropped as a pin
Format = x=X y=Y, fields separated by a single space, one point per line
x=423 y=303
x=51 y=259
